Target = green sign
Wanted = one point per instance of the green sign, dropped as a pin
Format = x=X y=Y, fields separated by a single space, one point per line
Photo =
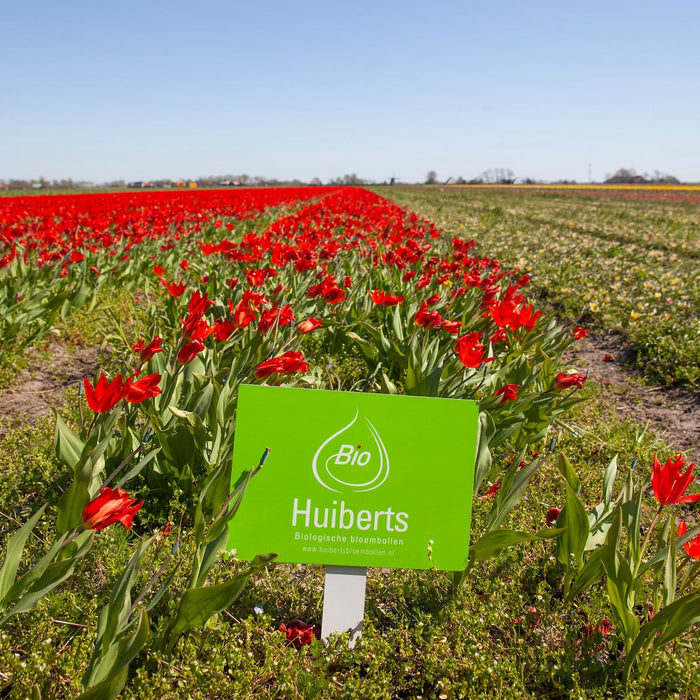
x=354 y=479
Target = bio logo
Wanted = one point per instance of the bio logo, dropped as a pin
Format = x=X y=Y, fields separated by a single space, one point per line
x=352 y=460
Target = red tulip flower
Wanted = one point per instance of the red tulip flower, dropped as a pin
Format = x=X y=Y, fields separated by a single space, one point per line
x=308 y=325
x=243 y=315
x=189 y=351
x=692 y=548
x=451 y=327
x=564 y=381
x=427 y=319
x=198 y=304
x=196 y=328
x=104 y=395
x=579 y=333
x=142 y=389
x=669 y=482
x=469 y=350
x=493 y=490
x=176 y=289
x=287 y=363
x=381 y=298
x=507 y=392
x=111 y=506
x=334 y=295
x=223 y=330
x=275 y=316
x=146 y=352
x=552 y=515
x=298 y=632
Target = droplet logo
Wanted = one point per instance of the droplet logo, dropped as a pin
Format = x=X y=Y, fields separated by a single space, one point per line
x=353 y=459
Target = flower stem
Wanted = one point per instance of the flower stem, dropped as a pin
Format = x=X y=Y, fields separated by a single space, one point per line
x=648 y=535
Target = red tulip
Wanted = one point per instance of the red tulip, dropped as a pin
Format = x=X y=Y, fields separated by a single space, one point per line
x=334 y=295
x=564 y=381
x=427 y=319
x=105 y=395
x=142 y=389
x=692 y=547
x=298 y=632
x=382 y=298
x=469 y=350
x=146 y=352
x=275 y=316
x=196 y=328
x=286 y=363
x=111 y=506
x=579 y=333
x=552 y=515
x=176 y=289
x=308 y=325
x=189 y=351
x=669 y=482
x=507 y=392
x=493 y=490
x=451 y=327
x=243 y=315
x=223 y=330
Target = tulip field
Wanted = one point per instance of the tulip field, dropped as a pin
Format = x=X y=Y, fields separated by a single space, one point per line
x=116 y=578
x=620 y=259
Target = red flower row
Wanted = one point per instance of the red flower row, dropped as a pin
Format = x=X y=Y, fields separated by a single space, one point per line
x=105 y=394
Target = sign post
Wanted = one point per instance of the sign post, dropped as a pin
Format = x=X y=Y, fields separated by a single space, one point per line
x=353 y=481
x=344 y=601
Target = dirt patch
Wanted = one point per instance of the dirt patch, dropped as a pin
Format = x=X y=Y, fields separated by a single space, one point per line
x=672 y=413
x=40 y=387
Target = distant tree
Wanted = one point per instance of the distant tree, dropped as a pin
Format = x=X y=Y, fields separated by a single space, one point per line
x=623 y=176
x=352 y=179
x=65 y=184
x=16 y=184
x=664 y=178
x=348 y=179
x=497 y=176
x=630 y=176
x=431 y=178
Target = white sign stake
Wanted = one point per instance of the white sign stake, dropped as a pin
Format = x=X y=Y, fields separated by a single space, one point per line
x=344 y=601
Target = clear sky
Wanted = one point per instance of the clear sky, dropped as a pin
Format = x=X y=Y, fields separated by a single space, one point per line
x=142 y=90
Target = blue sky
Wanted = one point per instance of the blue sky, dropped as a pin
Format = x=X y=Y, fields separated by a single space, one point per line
x=144 y=90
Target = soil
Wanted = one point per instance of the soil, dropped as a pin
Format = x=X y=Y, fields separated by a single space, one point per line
x=671 y=413
x=40 y=388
